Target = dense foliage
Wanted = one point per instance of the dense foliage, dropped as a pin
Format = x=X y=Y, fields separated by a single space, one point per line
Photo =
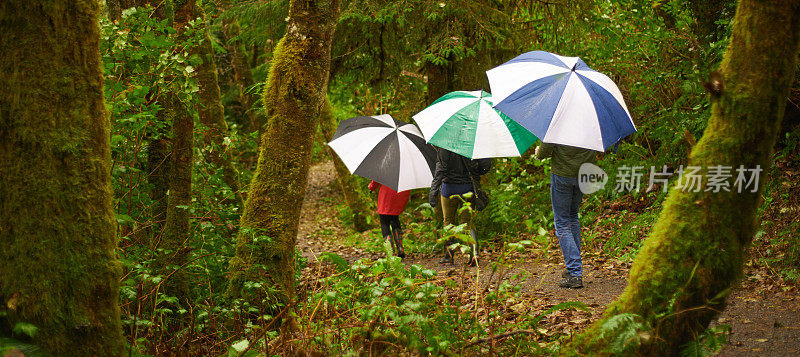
x=386 y=55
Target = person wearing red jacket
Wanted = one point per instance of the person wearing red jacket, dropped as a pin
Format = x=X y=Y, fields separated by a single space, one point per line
x=390 y=205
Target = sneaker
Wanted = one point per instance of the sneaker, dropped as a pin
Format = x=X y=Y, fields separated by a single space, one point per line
x=565 y=274
x=573 y=282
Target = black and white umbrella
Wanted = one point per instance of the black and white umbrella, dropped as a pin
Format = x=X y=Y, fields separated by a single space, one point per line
x=386 y=150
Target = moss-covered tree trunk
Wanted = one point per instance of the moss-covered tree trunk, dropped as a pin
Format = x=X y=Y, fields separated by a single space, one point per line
x=243 y=75
x=295 y=95
x=114 y=9
x=158 y=162
x=209 y=109
x=58 y=268
x=173 y=244
x=347 y=182
x=695 y=253
x=706 y=15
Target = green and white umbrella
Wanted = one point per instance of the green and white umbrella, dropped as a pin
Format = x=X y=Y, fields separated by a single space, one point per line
x=465 y=122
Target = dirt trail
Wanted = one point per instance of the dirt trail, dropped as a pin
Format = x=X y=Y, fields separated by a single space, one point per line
x=763 y=323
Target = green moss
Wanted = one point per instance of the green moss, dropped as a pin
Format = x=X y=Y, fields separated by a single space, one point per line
x=243 y=76
x=211 y=112
x=158 y=178
x=295 y=93
x=58 y=269
x=173 y=242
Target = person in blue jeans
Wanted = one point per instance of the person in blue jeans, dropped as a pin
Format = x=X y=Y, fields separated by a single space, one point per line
x=566 y=196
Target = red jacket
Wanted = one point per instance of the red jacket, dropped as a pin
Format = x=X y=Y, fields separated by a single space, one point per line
x=390 y=202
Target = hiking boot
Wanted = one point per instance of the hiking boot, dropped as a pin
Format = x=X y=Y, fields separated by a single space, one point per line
x=565 y=274
x=391 y=242
x=397 y=239
x=573 y=282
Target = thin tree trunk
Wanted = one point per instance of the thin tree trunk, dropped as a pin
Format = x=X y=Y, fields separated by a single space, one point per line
x=158 y=163
x=173 y=241
x=114 y=8
x=295 y=95
x=347 y=182
x=58 y=268
x=175 y=238
x=695 y=253
x=243 y=76
x=210 y=108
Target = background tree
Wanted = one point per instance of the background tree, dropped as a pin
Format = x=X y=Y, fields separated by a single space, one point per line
x=294 y=98
x=359 y=207
x=242 y=71
x=695 y=253
x=58 y=268
x=209 y=108
x=174 y=171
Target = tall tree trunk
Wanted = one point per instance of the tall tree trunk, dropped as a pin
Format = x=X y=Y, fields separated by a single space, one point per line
x=114 y=8
x=295 y=95
x=243 y=74
x=706 y=14
x=175 y=238
x=347 y=182
x=210 y=108
x=158 y=163
x=695 y=253
x=58 y=268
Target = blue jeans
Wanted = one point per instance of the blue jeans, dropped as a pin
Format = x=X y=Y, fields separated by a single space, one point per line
x=566 y=199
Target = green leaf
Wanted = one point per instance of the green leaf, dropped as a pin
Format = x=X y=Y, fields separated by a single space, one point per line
x=122 y=218
x=241 y=345
x=24 y=328
x=340 y=263
x=116 y=140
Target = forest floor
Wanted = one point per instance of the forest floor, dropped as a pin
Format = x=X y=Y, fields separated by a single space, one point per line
x=763 y=313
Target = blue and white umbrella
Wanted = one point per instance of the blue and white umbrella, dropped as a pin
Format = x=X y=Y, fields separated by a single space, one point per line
x=561 y=100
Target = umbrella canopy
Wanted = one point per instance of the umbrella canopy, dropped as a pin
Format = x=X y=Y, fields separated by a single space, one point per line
x=465 y=123
x=561 y=100
x=386 y=150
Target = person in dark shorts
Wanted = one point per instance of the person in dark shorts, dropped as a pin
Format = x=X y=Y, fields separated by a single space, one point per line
x=453 y=177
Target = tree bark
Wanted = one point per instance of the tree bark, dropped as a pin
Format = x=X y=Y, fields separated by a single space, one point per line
x=706 y=14
x=175 y=238
x=210 y=110
x=295 y=94
x=243 y=75
x=158 y=163
x=58 y=268
x=171 y=242
x=695 y=253
x=347 y=182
